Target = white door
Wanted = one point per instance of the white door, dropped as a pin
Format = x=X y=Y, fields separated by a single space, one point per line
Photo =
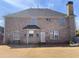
x=30 y=36
x=43 y=37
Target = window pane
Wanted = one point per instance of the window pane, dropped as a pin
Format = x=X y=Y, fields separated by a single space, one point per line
x=31 y=31
x=16 y=35
x=30 y=35
x=56 y=35
x=51 y=34
x=56 y=32
x=34 y=21
x=61 y=21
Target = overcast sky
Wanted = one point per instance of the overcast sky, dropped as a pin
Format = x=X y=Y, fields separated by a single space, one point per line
x=11 y=6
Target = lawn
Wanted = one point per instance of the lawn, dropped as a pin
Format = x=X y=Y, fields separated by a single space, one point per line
x=55 y=52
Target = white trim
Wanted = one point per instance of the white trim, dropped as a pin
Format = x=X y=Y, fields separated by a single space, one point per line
x=42 y=37
x=54 y=33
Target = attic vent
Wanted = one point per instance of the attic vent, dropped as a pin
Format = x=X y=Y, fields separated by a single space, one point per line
x=48 y=19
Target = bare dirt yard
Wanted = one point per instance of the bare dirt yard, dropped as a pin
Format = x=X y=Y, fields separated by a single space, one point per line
x=44 y=52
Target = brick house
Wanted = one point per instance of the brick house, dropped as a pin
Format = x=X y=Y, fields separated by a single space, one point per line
x=43 y=25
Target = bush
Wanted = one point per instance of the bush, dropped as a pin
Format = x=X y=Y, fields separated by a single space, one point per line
x=77 y=35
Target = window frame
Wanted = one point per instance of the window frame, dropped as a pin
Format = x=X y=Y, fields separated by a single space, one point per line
x=48 y=19
x=53 y=35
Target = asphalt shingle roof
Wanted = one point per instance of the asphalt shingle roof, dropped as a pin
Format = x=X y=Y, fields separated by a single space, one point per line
x=31 y=27
x=36 y=12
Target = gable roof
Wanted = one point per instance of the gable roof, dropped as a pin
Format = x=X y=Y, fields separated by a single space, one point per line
x=31 y=27
x=36 y=12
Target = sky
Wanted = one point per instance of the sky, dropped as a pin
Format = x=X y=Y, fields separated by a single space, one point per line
x=12 y=6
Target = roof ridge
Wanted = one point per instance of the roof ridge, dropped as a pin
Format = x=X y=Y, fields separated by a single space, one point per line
x=34 y=9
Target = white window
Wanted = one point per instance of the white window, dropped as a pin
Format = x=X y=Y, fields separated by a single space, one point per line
x=16 y=35
x=62 y=21
x=51 y=34
x=33 y=21
x=54 y=35
x=31 y=32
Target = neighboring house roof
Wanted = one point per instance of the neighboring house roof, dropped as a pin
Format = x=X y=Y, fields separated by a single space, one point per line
x=36 y=12
x=31 y=27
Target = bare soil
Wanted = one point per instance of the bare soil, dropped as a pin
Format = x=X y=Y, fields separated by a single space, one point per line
x=41 y=52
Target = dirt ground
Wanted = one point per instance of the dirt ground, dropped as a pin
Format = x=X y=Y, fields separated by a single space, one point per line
x=44 y=52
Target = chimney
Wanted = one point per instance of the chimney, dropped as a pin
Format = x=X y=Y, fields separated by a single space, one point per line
x=70 y=10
